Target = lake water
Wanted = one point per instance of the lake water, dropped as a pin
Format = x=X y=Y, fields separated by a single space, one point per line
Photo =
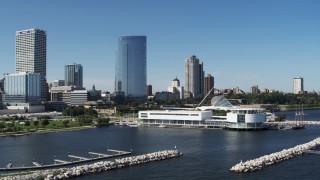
x=208 y=153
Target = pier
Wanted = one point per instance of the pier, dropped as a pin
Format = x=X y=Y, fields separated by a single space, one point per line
x=307 y=123
x=74 y=159
x=268 y=160
x=65 y=173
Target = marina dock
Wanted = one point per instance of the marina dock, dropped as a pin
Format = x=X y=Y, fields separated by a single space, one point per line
x=101 y=166
x=74 y=159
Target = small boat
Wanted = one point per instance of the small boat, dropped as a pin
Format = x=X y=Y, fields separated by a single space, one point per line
x=133 y=125
x=284 y=127
x=121 y=123
x=162 y=126
x=298 y=126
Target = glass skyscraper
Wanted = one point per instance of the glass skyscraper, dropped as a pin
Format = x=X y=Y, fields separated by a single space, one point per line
x=31 y=55
x=73 y=75
x=131 y=66
x=23 y=87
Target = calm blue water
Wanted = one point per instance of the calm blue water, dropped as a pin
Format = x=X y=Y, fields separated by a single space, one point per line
x=208 y=154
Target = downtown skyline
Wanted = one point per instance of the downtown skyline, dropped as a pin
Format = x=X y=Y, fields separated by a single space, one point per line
x=241 y=43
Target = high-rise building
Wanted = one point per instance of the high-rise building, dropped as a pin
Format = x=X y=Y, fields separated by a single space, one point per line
x=149 y=90
x=31 y=55
x=131 y=66
x=298 y=85
x=208 y=84
x=194 y=77
x=1 y=84
x=175 y=87
x=22 y=88
x=73 y=75
x=57 y=83
x=255 y=89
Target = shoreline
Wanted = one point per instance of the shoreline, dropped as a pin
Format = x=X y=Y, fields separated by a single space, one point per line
x=46 y=131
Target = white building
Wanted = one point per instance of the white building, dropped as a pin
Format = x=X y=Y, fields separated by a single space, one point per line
x=298 y=85
x=235 y=118
x=31 y=55
x=175 y=87
x=174 y=118
x=78 y=97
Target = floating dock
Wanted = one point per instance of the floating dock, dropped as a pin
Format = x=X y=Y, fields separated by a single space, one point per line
x=74 y=159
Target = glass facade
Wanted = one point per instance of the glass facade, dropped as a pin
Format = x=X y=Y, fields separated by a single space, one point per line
x=73 y=75
x=31 y=55
x=131 y=62
x=22 y=88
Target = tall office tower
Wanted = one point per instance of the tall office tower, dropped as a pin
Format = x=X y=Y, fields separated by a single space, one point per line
x=298 y=85
x=73 y=75
x=194 y=77
x=23 y=87
x=149 y=90
x=131 y=66
x=31 y=55
x=208 y=84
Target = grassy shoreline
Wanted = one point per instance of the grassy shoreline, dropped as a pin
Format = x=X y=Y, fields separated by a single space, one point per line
x=39 y=131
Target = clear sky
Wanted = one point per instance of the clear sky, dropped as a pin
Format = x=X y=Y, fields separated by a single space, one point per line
x=242 y=43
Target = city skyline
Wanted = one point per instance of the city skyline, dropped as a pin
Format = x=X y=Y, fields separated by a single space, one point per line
x=242 y=43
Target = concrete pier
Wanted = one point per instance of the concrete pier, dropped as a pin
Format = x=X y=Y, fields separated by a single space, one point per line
x=65 y=173
x=78 y=157
x=100 y=154
x=60 y=163
x=268 y=160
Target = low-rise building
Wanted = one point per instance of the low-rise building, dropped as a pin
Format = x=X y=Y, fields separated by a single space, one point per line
x=78 y=97
x=22 y=88
x=164 y=96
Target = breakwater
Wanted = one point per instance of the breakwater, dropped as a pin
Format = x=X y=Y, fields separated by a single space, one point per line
x=65 y=173
x=268 y=160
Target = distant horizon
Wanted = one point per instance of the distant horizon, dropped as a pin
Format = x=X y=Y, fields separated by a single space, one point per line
x=241 y=44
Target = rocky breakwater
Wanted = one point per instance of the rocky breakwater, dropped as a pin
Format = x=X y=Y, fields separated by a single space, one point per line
x=268 y=160
x=65 y=173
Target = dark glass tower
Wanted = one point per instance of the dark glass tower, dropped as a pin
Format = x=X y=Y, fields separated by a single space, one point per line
x=73 y=75
x=131 y=63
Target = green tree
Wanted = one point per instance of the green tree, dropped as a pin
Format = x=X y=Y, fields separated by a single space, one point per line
x=2 y=125
x=27 y=123
x=65 y=123
x=36 y=123
x=44 y=122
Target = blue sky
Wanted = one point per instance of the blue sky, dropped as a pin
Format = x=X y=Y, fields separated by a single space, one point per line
x=242 y=43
